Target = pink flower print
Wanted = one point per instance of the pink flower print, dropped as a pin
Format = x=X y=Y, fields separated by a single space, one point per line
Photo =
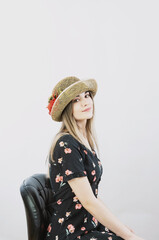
x=93 y=172
x=79 y=237
x=75 y=199
x=59 y=160
x=93 y=238
x=110 y=238
x=85 y=151
x=71 y=228
x=49 y=228
x=68 y=214
x=61 y=220
x=96 y=191
x=59 y=178
x=95 y=220
x=94 y=178
x=59 y=202
x=85 y=172
x=83 y=228
x=78 y=206
x=86 y=232
x=67 y=150
x=68 y=172
x=61 y=144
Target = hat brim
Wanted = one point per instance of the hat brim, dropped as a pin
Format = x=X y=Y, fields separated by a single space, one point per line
x=70 y=93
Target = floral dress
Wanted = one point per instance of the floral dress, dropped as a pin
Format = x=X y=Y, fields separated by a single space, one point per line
x=69 y=219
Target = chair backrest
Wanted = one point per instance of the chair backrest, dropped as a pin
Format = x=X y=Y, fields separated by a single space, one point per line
x=38 y=197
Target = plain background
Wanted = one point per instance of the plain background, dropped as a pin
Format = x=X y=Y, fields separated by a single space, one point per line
x=115 y=42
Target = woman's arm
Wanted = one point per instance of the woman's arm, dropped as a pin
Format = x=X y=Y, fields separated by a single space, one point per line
x=104 y=205
x=82 y=189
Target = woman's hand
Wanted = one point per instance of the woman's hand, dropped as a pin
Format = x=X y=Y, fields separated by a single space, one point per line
x=133 y=237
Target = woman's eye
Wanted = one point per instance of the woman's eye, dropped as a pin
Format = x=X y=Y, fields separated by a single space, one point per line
x=75 y=100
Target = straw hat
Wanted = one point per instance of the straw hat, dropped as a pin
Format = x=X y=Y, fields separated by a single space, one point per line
x=66 y=90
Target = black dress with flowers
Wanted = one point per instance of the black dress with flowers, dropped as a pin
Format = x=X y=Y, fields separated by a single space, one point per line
x=69 y=219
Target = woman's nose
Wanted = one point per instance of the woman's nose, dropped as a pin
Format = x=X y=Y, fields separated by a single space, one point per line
x=84 y=102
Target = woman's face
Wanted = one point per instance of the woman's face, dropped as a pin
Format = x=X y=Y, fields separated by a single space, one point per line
x=82 y=106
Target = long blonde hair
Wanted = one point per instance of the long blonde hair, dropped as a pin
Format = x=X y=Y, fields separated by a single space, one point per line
x=69 y=126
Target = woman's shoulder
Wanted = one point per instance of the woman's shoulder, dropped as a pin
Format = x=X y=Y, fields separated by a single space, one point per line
x=66 y=144
x=67 y=139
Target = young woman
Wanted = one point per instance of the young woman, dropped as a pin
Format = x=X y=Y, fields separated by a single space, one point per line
x=75 y=169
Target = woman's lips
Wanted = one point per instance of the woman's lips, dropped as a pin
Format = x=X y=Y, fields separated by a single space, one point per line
x=87 y=109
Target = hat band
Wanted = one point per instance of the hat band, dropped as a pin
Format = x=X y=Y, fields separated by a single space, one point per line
x=54 y=100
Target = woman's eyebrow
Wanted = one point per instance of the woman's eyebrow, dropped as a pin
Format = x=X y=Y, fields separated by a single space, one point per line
x=85 y=93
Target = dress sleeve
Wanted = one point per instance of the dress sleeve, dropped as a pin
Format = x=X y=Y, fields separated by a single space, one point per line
x=69 y=158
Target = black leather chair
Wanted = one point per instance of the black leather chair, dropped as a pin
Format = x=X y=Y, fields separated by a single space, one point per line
x=38 y=197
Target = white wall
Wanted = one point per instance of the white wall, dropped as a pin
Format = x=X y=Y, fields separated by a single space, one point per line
x=115 y=42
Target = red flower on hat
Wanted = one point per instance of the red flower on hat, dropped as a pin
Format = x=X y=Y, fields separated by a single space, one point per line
x=51 y=101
